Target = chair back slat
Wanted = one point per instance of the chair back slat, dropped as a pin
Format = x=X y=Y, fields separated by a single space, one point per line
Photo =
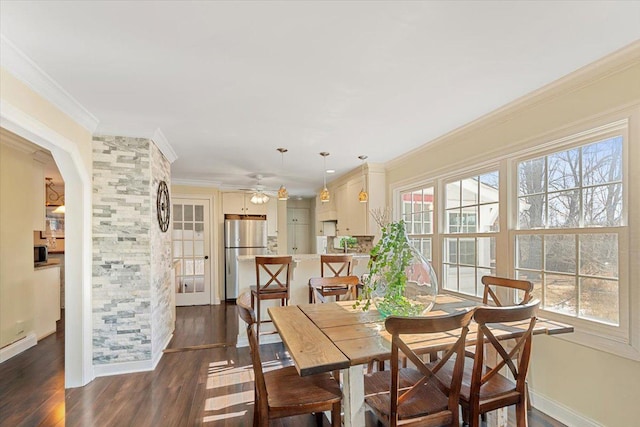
x=338 y=265
x=246 y=313
x=515 y=284
x=273 y=274
x=517 y=359
x=401 y=326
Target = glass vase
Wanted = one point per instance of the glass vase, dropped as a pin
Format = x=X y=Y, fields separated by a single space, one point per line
x=404 y=283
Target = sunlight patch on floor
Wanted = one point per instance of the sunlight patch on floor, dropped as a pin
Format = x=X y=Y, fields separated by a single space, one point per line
x=221 y=402
x=214 y=418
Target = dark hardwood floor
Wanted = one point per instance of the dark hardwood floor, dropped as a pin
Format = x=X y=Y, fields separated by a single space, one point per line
x=189 y=388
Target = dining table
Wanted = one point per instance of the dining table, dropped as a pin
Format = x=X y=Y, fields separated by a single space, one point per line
x=339 y=336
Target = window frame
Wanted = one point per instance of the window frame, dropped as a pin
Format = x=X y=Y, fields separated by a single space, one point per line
x=622 y=340
x=600 y=335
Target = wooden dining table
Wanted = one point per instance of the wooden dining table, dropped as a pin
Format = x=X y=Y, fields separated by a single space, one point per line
x=331 y=336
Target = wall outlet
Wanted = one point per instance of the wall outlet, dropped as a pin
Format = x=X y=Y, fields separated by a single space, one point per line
x=20 y=327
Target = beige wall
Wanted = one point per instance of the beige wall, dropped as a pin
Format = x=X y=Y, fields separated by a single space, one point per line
x=17 y=303
x=597 y=385
x=33 y=117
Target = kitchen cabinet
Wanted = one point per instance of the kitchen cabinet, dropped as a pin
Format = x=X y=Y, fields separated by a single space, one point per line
x=326 y=211
x=327 y=228
x=352 y=215
x=47 y=300
x=240 y=203
x=354 y=218
x=272 y=217
x=298 y=229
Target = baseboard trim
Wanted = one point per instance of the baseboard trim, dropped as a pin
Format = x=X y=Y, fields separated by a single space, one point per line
x=158 y=356
x=18 y=347
x=560 y=412
x=122 y=368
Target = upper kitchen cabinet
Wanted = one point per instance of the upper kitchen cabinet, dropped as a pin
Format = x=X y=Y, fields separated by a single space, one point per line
x=353 y=218
x=240 y=203
x=326 y=211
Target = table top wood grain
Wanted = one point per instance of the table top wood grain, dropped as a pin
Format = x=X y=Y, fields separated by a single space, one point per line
x=323 y=337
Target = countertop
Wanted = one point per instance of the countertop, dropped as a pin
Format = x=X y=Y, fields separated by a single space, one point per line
x=302 y=257
x=49 y=264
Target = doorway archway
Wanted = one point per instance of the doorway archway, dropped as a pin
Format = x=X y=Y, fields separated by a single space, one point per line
x=77 y=177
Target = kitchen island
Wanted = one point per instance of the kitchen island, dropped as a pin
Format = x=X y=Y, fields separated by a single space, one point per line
x=304 y=266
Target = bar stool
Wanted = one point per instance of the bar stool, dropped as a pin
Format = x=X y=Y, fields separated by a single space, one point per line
x=273 y=276
x=336 y=266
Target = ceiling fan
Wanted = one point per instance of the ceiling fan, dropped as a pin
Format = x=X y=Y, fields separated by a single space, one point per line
x=260 y=194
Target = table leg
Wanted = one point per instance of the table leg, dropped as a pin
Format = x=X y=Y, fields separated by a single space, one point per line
x=353 y=396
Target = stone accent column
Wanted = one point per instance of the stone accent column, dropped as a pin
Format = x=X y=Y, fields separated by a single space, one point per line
x=131 y=256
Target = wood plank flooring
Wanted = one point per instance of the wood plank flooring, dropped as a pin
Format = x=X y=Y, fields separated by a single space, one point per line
x=210 y=387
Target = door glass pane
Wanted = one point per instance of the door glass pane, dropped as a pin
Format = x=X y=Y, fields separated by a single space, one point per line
x=198 y=283
x=188 y=212
x=199 y=213
x=198 y=248
x=177 y=212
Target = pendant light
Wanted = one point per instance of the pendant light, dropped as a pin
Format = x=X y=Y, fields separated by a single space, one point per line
x=363 y=196
x=283 y=194
x=324 y=194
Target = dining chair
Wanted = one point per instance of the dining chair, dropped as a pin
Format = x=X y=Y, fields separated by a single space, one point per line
x=524 y=286
x=417 y=396
x=338 y=265
x=282 y=392
x=333 y=266
x=484 y=388
x=322 y=287
x=273 y=277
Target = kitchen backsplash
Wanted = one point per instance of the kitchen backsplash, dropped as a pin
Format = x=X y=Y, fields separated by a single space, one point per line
x=363 y=245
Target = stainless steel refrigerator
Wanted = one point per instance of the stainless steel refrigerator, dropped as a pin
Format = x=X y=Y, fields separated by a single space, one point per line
x=243 y=235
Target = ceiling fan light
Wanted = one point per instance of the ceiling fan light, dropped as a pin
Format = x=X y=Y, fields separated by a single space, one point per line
x=283 y=194
x=259 y=198
x=324 y=195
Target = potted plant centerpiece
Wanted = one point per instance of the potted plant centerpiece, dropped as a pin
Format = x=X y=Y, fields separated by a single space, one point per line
x=401 y=282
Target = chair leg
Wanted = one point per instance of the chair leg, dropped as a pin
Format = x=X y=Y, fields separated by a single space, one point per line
x=474 y=418
x=336 y=421
x=521 y=414
x=319 y=415
x=258 y=319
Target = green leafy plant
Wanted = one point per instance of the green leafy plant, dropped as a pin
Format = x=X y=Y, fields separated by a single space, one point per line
x=388 y=262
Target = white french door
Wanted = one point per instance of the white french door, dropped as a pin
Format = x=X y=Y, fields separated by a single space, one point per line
x=191 y=246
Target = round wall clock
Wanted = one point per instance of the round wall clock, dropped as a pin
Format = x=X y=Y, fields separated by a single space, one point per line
x=163 y=206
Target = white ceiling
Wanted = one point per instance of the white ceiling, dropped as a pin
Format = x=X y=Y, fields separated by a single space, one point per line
x=229 y=82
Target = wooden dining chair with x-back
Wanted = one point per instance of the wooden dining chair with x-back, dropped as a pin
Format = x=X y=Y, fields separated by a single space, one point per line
x=417 y=396
x=493 y=287
x=282 y=392
x=273 y=277
x=484 y=388
x=333 y=265
x=523 y=287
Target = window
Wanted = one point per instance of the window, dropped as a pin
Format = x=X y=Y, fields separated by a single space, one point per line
x=576 y=197
x=471 y=212
x=417 y=212
x=556 y=214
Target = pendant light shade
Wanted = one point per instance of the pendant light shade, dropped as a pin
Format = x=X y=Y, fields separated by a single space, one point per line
x=363 y=196
x=324 y=194
x=283 y=194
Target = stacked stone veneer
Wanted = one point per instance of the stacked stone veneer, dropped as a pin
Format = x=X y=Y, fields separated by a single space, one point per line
x=131 y=257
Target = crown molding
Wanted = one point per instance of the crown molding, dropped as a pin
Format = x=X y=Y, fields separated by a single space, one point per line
x=27 y=71
x=615 y=62
x=195 y=182
x=164 y=146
